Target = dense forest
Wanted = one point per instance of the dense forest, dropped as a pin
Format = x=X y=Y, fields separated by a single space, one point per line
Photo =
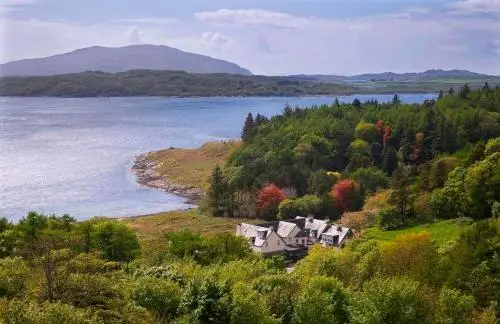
x=182 y=84
x=367 y=165
x=439 y=159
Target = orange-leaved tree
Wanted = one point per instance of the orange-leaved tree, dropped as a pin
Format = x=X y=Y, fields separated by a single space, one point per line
x=346 y=195
x=268 y=200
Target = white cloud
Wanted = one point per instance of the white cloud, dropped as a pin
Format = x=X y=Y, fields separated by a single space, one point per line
x=252 y=17
x=134 y=35
x=216 y=40
x=148 y=21
x=476 y=6
x=13 y=5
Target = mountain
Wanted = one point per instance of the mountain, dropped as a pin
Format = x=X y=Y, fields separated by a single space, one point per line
x=120 y=59
x=390 y=76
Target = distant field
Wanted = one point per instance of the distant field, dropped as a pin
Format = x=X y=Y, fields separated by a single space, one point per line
x=440 y=231
x=153 y=226
x=192 y=167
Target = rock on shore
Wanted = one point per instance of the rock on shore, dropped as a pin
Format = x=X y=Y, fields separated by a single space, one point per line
x=145 y=170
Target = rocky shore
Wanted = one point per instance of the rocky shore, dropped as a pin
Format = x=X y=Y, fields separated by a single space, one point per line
x=146 y=173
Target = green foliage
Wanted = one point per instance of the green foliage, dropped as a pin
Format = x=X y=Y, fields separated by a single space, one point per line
x=14 y=273
x=454 y=307
x=395 y=300
x=303 y=206
x=370 y=180
x=323 y=300
x=389 y=218
x=248 y=306
x=116 y=241
x=160 y=296
x=207 y=302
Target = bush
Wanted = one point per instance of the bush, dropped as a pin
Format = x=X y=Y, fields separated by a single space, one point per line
x=13 y=275
x=389 y=218
x=158 y=295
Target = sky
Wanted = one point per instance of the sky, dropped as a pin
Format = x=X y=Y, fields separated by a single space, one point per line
x=271 y=37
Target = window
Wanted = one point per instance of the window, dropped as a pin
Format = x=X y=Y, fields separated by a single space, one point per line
x=266 y=244
x=278 y=243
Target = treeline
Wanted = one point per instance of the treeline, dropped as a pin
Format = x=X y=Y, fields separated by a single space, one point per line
x=439 y=159
x=162 y=83
x=182 y=84
x=54 y=270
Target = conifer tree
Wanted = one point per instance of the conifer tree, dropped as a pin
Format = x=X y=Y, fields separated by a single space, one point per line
x=217 y=192
x=396 y=100
x=248 y=128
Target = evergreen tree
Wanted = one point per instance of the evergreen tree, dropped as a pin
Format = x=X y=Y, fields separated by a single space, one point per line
x=259 y=120
x=451 y=91
x=396 y=100
x=441 y=95
x=486 y=87
x=356 y=103
x=390 y=162
x=217 y=192
x=464 y=91
x=248 y=128
x=336 y=103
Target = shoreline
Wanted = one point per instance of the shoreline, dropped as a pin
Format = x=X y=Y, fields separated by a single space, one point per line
x=146 y=174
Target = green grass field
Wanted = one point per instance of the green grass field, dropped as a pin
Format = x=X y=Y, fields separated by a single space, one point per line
x=441 y=231
x=154 y=226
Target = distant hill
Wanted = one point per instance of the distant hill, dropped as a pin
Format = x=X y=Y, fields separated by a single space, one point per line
x=120 y=59
x=394 y=77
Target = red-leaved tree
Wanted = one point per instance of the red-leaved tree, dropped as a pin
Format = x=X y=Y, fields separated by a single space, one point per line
x=346 y=195
x=387 y=134
x=269 y=198
x=379 y=127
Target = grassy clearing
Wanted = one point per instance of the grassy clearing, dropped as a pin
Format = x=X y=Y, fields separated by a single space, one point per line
x=192 y=167
x=153 y=226
x=440 y=231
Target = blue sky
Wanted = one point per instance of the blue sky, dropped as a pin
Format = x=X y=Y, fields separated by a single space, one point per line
x=269 y=37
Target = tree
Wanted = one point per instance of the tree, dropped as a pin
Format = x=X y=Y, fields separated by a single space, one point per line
x=323 y=300
x=248 y=128
x=441 y=94
x=160 y=296
x=369 y=180
x=346 y=195
x=389 y=218
x=219 y=198
x=401 y=195
x=356 y=103
x=391 y=300
x=396 y=100
x=248 y=307
x=390 y=161
x=451 y=91
x=185 y=243
x=455 y=307
x=320 y=183
x=32 y=225
x=464 y=91
x=116 y=241
x=268 y=199
x=14 y=274
x=207 y=302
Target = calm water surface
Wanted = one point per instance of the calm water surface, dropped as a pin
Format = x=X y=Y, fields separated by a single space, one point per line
x=75 y=155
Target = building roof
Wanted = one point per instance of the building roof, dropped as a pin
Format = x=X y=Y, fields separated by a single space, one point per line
x=333 y=231
x=317 y=225
x=285 y=228
x=250 y=231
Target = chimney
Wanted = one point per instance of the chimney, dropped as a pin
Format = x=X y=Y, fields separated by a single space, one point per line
x=339 y=228
x=310 y=218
